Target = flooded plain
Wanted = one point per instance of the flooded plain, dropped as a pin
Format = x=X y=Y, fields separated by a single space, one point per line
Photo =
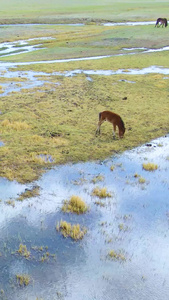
x=133 y=223
x=30 y=79
x=124 y=254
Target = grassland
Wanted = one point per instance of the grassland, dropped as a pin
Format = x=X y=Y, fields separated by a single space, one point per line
x=60 y=121
x=55 y=11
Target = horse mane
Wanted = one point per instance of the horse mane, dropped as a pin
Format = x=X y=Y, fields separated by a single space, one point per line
x=122 y=124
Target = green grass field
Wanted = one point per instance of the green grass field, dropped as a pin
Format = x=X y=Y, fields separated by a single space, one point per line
x=56 y=10
x=60 y=122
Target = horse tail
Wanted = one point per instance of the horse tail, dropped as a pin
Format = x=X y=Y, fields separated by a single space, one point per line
x=166 y=23
x=100 y=116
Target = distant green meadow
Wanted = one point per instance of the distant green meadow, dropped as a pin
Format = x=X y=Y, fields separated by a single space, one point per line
x=59 y=119
x=57 y=10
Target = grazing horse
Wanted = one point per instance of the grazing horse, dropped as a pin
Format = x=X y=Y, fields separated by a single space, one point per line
x=113 y=118
x=161 y=21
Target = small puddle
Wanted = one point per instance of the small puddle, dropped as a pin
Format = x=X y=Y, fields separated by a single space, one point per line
x=133 y=222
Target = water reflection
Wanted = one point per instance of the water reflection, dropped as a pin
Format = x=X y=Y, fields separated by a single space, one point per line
x=134 y=221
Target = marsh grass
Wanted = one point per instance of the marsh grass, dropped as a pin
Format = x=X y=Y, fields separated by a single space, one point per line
x=150 y=166
x=101 y=192
x=23 y=279
x=97 y=178
x=117 y=256
x=73 y=231
x=29 y=193
x=100 y=203
x=75 y=205
x=23 y=251
x=10 y=202
x=141 y=180
x=112 y=167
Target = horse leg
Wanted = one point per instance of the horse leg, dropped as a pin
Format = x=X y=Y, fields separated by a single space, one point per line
x=114 y=131
x=98 y=127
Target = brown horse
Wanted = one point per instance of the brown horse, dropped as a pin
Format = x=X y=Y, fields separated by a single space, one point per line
x=113 y=118
x=161 y=21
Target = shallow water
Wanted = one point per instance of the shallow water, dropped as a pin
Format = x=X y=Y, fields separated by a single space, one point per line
x=135 y=220
x=20 y=46
x=130 y=23
x=82 y=24
x=33 y=79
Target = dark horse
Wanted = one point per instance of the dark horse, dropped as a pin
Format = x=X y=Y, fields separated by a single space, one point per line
x=161 y=21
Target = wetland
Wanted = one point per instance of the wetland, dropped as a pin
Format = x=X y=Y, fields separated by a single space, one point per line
x=54 y=80
x=125 y=249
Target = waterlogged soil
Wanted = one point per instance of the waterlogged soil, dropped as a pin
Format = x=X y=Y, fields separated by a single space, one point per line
x=133 y=223
x=15 y=81
x=31 y=79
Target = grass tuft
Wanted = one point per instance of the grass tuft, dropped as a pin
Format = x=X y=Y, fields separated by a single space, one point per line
x=23 y=279
x=73 y=231
x=101 y=192
x=23 y=251
x=75 y=205
x=97 y=178
x=150 y=167
x=141 y=180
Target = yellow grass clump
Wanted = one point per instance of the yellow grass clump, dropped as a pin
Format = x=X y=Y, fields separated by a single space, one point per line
x=73 y=231
x=16 y=125
x=75 y=205
x=141 y=180
x=150 y=167
x=101 y=192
